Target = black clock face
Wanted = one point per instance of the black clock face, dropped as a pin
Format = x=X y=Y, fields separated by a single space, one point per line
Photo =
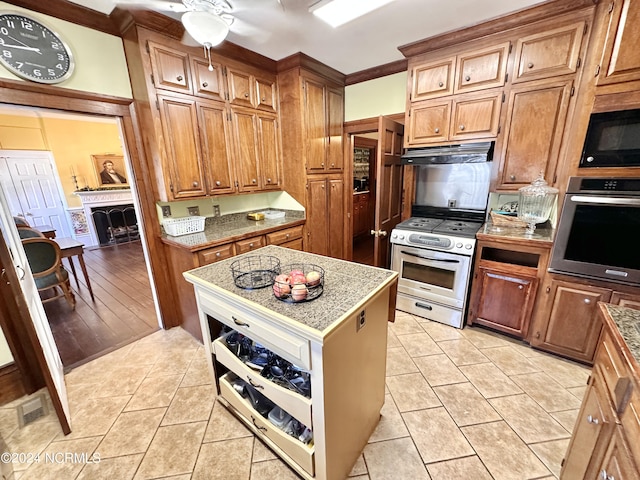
x=33 y=51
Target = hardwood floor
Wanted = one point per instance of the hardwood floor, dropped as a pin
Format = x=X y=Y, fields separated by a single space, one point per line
x=123 y=310
x=363 y=249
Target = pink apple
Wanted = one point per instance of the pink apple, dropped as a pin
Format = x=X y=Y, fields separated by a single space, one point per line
x=295 y=272
x=297 y=278
x=299 y=292
x=281 y=286
x=313 y=278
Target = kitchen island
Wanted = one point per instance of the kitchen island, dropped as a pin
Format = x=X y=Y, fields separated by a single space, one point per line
x=338 y=341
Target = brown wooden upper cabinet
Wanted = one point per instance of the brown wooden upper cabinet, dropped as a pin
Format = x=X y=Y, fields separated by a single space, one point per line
x=481 y=69
x=549 y=54
x=434 y=79
x=170 y=68
x=247 y=90
x=620 y=60
x=324 y=118
x=463 y=117
x=216 y=148
x=208 y=83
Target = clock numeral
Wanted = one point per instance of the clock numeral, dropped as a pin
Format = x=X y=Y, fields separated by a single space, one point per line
x=37 y=72
x=60 y=56
x=27 y=26
x=59 y=66
x=51 y=72
x=55 y=46
x=6 y=54
x=10 y=24
x=4 y=31
x=19 y=64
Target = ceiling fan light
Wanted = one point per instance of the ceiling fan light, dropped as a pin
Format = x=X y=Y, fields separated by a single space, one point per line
x=206 y=28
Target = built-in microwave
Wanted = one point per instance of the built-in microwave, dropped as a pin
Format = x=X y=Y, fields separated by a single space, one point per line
x=599 y=230
x=613 y=140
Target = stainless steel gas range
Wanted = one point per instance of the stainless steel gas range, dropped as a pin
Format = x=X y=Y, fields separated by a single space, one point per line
x=433 y=257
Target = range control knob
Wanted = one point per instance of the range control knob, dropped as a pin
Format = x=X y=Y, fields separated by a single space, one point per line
x=468 y=246
x=401 y=237
x=395 y=235
x=459 y=245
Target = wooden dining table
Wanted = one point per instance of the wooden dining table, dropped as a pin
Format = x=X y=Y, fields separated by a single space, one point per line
x=47 y=230
x=69 y=248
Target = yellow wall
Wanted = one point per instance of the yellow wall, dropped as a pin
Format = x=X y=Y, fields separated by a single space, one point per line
x=381 y=96
x=101 y=66
x=71 y=141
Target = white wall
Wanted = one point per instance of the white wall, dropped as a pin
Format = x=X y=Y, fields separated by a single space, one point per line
x=5 y=353
x=101 y=66
x=380 y=96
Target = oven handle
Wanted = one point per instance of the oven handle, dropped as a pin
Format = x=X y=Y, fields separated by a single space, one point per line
x=605 y=200
x=404 y=252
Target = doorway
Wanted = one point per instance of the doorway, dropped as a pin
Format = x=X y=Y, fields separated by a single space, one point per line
x=365 y=148
x=115 y=304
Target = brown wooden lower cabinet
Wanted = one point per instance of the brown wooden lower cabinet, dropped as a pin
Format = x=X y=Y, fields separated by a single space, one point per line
x=183 y=259
x=567 y=323
x=604 y=444
x=325 y=215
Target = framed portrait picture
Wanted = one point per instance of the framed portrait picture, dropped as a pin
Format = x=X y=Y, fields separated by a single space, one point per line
x=110 y=170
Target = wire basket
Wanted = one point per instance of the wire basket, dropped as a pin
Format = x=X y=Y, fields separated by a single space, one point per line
x=299 y=282
x=506 y=221
x=256 y=271
x=183 y=226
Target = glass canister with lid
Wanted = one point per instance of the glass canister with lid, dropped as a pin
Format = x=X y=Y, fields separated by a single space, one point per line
x=535 y=202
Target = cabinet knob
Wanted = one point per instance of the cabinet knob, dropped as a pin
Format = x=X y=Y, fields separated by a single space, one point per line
x=587 y=301
x=593 y=420
x=246 y=95
x=461 y=127
x=437 y=130
x=218 y=183
x=322 y=164
x=205 y=84
x=287 y=235
x=530 y=65
x=268 y=180
x=467 y=78
x=195 y=184
x=217 y=254
x=333 y=165
x=263 y=99
x=179 y=78
x=520 y=287
x=251 y=245
x=548 y=289
x=512 y=177
x=537 y=334
x=253 y=180
x=440 y=84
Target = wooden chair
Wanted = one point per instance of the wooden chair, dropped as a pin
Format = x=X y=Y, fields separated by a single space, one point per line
x=27 y=232
x=46 y=265
x=20 y=221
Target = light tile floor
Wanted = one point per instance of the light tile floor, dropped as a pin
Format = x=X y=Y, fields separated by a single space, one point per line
x=460 y=404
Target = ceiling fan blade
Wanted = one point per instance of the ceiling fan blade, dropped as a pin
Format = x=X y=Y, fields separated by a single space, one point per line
x=157 y=5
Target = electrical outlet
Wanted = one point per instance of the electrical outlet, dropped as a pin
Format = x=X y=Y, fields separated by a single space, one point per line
x=452 y=203
x=216 y=210
x=166 y=211
x=360 y=321
x=193 y=211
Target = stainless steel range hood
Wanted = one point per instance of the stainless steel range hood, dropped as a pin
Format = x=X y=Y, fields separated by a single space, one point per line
x=464 y=153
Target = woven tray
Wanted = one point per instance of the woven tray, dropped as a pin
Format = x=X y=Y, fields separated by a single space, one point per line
x=507 y=221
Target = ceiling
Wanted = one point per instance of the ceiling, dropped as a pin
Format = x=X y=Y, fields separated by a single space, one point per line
x=277 y=29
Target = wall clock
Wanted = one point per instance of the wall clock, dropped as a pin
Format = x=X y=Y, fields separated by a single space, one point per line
x=32 y=50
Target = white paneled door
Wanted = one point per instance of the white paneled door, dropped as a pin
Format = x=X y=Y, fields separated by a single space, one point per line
x=31 y=185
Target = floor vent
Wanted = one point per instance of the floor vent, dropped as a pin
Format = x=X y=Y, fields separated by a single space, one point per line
x=31 y=410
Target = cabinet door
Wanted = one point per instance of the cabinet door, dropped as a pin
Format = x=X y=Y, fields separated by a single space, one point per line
x=266 y=94
x=475 y=116
x=335 y=121
x=429 y=122
x=315 y=125
x=216 y=147
x=480 y=69
x=549 y=54
x=317 y=217
x=534 y=127
x=618 y=463
x=180 y=129
x=620 y=60
x=245 y=149
x=593 y=425
x=504 y=301
x=433 y=79
x=573 y=325
x=206 y=83
x=628 y=300
x=170 y=68
x=269 y=148
x=240 y=91
x=335 y=211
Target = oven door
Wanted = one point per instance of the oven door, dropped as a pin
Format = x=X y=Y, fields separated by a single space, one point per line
x=598 y=238
x=430 y=274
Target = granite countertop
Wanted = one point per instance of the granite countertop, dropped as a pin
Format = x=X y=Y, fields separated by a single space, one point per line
x=228 y=228
x=345 y=285
x=539 y=236
x=627 y=320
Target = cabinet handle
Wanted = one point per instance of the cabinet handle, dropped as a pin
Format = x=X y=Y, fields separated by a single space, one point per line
x=512 y=177
x=268 y=180
x=205 y=84
x=548 y=289
x=322 y=164
x=530 y=65
x=195 y=184
x=437 y=130
x=246 y=95
x=467 y=78
x=239 y=323
x=251 y=245
x=587 y=301
x=253 y=180
x=593 y=420
x=520 y=287
x=286 y=236
x=461 y=127
x=218 y=254
x=333 y=165
x=440 y=84
x=263 y=99
x=259 y=427
x=218 y=183
x=605 y=476
x=537 y=334
x=179 y=78
x=254 y=385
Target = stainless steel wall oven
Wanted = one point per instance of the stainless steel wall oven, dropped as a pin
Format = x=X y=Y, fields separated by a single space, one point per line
x=599 y=230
